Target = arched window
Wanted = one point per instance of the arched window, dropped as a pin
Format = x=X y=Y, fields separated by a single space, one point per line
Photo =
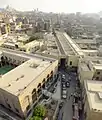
x=43 y=80
x=2 y=58
x=39 y=85
x=48 y=76
x=33 y=91
x=51 y=72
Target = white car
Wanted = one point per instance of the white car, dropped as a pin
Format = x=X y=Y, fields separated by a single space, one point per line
x=64 y=92
x=63 y=86
x=64 y=96
x=63 y=76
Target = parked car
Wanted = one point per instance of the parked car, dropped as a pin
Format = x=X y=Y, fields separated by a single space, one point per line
x=67 y=84
x=63 y=76
x=64 y=94
x=64 y=86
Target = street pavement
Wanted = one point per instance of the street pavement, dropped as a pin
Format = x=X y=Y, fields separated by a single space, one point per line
x=57 y=94
x=67 y=108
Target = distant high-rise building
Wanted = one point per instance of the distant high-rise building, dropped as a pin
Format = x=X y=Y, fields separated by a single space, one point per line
x=47 y=25
x=25 y=21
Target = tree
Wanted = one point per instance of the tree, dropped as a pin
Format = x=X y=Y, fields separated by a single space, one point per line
x=39 y=111
x=37 y=118
x=31 y=118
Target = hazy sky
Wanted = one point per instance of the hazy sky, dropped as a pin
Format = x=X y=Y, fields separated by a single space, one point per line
x=55 y=5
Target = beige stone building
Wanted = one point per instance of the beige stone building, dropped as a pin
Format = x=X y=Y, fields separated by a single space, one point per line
x=21 y=87
x=32 y=47
x=90 y=69
x=93 y=100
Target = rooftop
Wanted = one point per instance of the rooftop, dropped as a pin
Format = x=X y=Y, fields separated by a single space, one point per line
x=85 y=41
x=33 y=44
x=52 y=47
x=94 y=94
x=90 y=51
x=98 y=67
x=73 y=45
x=19 y=78
x=9 y=44
x=16 y=37
x=84 y=67
x=90 y=58
x=66 y=45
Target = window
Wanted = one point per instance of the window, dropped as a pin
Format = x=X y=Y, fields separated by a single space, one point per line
x=23 y=61
x=39 y=91
x=39 y=85
x=34 y=91
x=43 y=86
x=48 y=76
x=97 y=78
x=51 y=72
x=43 y=80
x=34 y=97
x=98 y=73
x=70 y=62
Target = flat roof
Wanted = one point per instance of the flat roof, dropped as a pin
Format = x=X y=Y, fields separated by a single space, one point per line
x=90 y=51
x=84 y=67
x=83 y=46
x=90 y=58
x=9 y=44
x=17 y=79
x=16 y=37
x=94 y=94
x=98 y=67
x=84 y=41
x=66 y=46
x=51 y=45
x=33 y=44
x=73 y=44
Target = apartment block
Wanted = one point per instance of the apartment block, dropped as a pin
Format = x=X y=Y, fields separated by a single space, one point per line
x=93 y=100
x=21 y=87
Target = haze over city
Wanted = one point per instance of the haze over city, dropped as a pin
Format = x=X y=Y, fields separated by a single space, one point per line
x=67 y=6
x=50 y=60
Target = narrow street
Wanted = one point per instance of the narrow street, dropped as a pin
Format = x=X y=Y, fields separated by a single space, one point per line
x=57 y=94
x=67 y=108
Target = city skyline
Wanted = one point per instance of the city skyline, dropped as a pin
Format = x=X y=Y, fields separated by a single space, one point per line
x=66 y=6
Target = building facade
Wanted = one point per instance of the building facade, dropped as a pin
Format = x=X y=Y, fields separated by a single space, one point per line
x=21 y=87
x=93 y=100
